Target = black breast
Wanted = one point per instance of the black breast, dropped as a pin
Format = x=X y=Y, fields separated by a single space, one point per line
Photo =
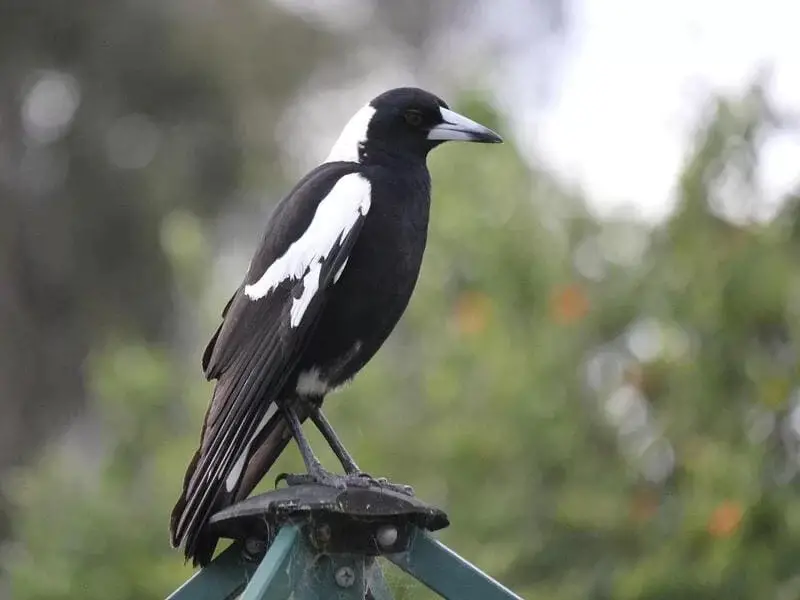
x=376 y=285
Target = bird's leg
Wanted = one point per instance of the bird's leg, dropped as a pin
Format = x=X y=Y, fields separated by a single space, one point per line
x=323 y=425
x=316 y=472
x=355 y=476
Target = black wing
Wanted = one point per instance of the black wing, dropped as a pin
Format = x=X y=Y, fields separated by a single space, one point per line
x=255 y=350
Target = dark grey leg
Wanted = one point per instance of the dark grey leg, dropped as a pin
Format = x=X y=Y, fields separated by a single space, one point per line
x=320 y=420
x=316 y=472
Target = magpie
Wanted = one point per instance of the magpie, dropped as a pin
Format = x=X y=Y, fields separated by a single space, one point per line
x=332 y=276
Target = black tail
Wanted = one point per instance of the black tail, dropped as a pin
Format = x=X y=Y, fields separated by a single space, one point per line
x=201 y=499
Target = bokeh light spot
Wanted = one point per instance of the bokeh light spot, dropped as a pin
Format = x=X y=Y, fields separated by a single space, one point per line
x=50 y=106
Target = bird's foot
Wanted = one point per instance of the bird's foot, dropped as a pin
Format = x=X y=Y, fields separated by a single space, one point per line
x=319 y=477
x=367 y=480
x=358 y=479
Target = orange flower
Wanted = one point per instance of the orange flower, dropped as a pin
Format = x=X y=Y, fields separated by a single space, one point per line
x=644 y=506
x=471 y=313
x=725 y=519
x=568 y=304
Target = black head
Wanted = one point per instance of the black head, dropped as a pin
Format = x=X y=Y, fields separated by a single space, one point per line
x=405 y=122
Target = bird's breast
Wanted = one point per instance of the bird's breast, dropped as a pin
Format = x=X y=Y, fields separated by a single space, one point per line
x=385 y=262
x=374 y=289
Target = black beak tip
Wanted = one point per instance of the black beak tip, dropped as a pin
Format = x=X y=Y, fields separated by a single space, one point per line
x=494 y=139
x=489 y=137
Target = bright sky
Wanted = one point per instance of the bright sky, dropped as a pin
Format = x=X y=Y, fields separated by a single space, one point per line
x=632 y=81
x=635 y=80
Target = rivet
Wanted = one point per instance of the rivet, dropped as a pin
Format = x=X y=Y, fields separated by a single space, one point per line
x=387 y=536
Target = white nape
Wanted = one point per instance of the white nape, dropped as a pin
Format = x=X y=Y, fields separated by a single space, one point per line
x=352 y=137
x=238 y=466
x=335 y=216
x=309 y=383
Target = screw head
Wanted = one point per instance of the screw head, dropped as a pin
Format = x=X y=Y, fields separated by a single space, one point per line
x=345 y=577
x=387 y=536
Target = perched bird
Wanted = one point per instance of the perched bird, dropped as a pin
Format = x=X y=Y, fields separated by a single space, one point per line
x=333 y=274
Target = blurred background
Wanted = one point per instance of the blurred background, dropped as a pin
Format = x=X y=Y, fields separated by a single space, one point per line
x=598 y=374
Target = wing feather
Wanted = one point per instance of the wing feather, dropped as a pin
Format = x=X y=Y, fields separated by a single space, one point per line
x=254 y=352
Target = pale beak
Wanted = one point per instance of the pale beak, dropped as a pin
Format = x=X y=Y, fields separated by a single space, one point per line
x=459 y=127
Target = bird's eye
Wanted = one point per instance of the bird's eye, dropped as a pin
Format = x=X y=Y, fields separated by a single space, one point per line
x=413 y=118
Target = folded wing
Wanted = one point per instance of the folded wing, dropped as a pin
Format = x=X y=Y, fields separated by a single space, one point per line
x=265 y=328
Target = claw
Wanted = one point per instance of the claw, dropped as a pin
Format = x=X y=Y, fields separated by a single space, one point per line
x=292 y=479
x=380 y=482
x=360 y=479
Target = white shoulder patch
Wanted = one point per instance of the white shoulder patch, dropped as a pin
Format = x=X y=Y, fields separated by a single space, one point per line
x=353 y=135
x=335 y=216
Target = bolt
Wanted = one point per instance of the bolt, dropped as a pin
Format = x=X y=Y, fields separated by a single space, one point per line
x=387 y=536
x=345 y=577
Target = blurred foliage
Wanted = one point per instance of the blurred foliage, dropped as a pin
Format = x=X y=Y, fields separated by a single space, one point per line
x=112 y=116
x=605 y=410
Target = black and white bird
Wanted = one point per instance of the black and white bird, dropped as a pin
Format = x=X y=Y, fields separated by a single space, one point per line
x=333 y=274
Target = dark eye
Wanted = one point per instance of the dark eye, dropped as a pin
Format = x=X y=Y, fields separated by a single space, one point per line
x=413 y=118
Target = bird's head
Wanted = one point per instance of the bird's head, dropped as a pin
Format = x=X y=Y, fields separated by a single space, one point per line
x=405 y=122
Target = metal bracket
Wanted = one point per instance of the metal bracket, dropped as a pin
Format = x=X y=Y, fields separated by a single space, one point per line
x=315 y=543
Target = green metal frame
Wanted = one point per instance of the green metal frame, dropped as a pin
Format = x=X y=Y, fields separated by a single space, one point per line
x=293 y=567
